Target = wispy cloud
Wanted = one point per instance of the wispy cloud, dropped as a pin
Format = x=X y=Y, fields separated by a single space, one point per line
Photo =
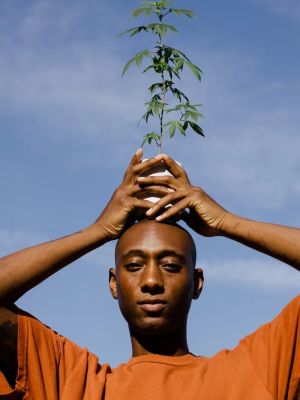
x=266 y=275
x=51 y=74
x=75 y=85
x=251 y=149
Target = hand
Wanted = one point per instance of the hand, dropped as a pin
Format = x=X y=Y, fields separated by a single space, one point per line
x=205 y=216
x=129 y=198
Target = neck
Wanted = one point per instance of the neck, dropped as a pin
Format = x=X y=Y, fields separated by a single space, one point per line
x=172 y=344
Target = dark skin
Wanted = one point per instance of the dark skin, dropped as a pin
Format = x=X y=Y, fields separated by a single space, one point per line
x=21 y=271
x=155 y=282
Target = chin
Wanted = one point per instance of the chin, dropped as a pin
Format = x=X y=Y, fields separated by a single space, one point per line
x=153 y=327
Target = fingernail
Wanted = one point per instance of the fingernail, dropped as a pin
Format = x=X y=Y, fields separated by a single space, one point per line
x=158 y=218
x=149 y=211
x=158 y=156
x=171 y=190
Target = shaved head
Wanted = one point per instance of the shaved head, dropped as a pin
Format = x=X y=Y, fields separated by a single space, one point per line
x=134 y=231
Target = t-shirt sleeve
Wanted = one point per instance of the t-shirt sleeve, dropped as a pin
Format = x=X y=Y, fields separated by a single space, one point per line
x=274 y=351
x=47 y=362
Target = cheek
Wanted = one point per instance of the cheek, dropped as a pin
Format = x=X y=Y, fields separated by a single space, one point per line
x=182 y=293
x=127 y=295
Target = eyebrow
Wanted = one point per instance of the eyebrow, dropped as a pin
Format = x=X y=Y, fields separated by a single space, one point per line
x=160 y=254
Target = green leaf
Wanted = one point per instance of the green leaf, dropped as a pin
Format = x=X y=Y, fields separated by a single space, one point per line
x=195 y=70
x=160 y=28
x=133 y=31
x=196 y=128
x=172 y=128
x=173 y=125
x=148 y=68
x=178 y=64
x=138 y=11
x=178 y=94
x=180 y=128
x=139 y=56
x=195 y=115
x=149 y=137
x=128 y=65
x=172 y=28
x=179 y=53
x=180 y=11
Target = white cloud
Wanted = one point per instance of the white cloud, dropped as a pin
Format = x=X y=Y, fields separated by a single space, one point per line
x=267 y=275
x=48 y=73
x=251 y=150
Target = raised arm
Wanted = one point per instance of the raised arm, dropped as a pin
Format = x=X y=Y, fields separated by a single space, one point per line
x=208 y=218
x=21 y=271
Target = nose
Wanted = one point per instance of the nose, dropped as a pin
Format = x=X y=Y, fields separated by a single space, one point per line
x=151 y=281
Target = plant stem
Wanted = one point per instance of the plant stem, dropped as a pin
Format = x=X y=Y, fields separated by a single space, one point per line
x=161 y=117
x=164 y=91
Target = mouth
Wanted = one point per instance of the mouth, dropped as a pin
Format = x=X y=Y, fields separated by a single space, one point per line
x=152 y=306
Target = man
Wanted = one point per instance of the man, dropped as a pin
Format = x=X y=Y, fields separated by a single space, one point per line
x=155 y=280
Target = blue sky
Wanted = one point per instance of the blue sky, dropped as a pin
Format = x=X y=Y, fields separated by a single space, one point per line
x=68 y=129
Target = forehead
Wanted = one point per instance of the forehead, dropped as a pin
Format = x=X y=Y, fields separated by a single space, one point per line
x=152 y=238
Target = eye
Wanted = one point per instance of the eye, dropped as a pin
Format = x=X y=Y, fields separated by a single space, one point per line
x=171 y=267
x=132 y=267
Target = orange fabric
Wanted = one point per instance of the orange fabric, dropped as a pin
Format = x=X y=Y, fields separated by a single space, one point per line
x=264 y=366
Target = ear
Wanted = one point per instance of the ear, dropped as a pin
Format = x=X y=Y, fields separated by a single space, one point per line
x=113 y=283
x=198 y=282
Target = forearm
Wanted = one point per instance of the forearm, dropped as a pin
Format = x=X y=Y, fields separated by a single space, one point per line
x=278 y=241
x=21 y=271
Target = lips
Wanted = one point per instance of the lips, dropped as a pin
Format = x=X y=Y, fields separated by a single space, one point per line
x=152 y=306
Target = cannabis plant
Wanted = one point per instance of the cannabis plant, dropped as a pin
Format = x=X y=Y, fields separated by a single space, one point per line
x=167 y=64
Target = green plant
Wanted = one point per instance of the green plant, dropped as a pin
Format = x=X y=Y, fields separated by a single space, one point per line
x=167 y=62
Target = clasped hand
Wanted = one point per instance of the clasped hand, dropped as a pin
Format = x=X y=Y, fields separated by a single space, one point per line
x=197 y=209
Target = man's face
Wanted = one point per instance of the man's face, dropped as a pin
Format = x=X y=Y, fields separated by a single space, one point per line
x=155 y=279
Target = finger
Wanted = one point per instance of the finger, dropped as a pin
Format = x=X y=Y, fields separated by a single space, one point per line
x=159 y=191
x=135 y=160
x=147 y=164
x=141 y=204
x=172 y=211
x=174 y=167
x=171 y=198
x=134 y=190
x=165 y=180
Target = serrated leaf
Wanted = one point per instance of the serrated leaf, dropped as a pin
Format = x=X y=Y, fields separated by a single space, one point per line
x=172 y=28
x=192 y=114
x=149 y=137
x=172 y=130
x=148 y=68
x=141 y=55
x=133 y=31
x=138 y=11
x=196 y=128
x=180 y=11
x=178 y=94
x=179 y=64
x=180 y=128
x=128 y=65
x=195 y=70
x=138 y=58
x=180 y=53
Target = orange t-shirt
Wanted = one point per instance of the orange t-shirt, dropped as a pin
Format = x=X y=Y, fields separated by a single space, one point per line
x=264 y=366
